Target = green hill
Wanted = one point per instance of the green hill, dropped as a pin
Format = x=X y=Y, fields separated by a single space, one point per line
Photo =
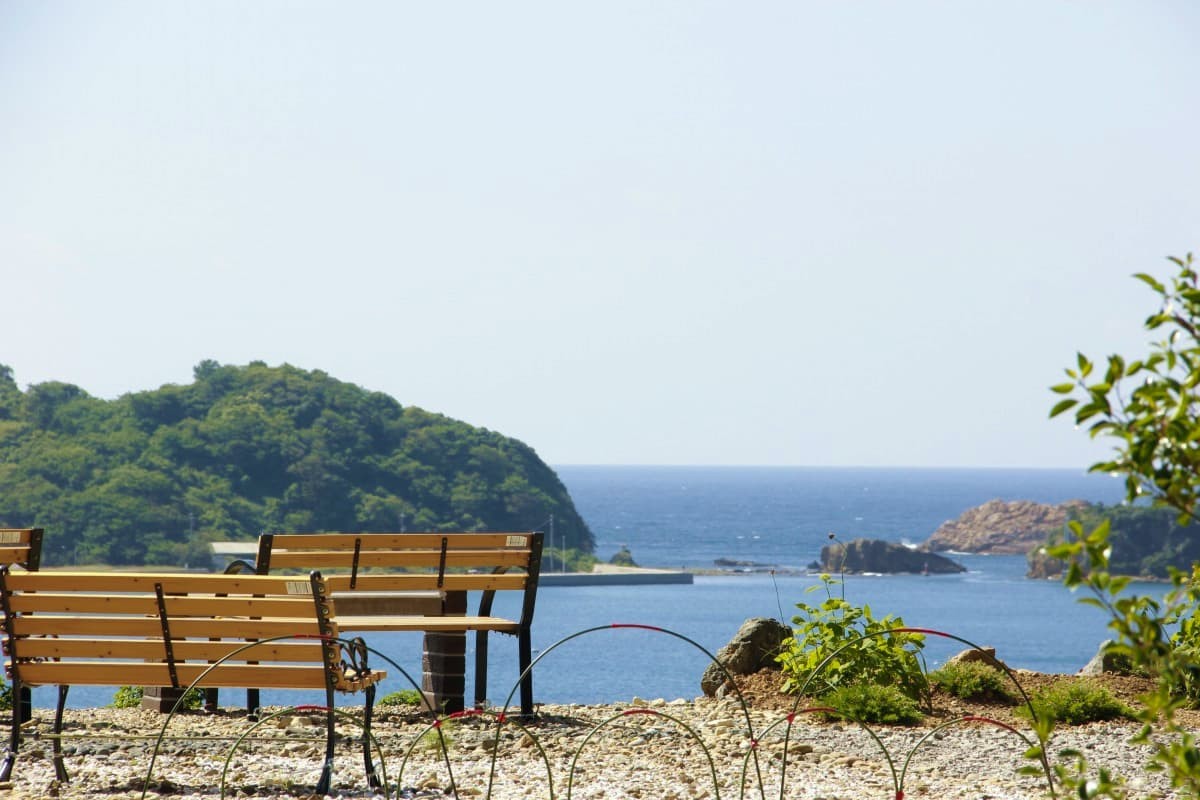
x=152 y=476
x=1147 y=541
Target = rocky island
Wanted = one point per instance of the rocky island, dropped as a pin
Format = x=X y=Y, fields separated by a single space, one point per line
x=1003 y=527
x=875 y=555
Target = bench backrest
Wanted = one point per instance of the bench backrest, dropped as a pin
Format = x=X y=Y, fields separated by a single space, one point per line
x=446 y=562
x=21 y=546
x=165 y=629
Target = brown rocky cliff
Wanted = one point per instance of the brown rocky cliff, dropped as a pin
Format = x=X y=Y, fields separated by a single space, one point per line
x=1002 y=527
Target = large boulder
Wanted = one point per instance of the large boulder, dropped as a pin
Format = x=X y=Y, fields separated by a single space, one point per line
x=1002 y=527
x=1106 y=662
x=981 y=655
x=876 y=555
x=752 y=648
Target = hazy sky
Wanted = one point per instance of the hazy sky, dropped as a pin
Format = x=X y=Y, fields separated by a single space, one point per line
x=832 y=233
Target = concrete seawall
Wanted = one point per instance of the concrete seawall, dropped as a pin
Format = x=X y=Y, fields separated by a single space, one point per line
x=608 y=575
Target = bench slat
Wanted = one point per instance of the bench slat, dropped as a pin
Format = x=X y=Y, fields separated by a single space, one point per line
x=398 y=541
x=202 y=583
x=192 y=649
x=149 y=627
x=435 y=624
x=189 y=605
x=416 y=581
x=318 y=559
x=118 y=673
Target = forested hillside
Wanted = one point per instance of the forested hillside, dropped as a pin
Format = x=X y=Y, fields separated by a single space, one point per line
x=152 y=476
x=1147 y=541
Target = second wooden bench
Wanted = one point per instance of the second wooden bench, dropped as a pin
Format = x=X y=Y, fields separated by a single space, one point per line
x=362 y=567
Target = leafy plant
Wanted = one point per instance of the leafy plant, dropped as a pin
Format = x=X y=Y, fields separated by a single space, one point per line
x=1150 y=408
x=839 y=644
x=1076 y=702
x=972 y=680
x=873 y=703
x=403 y=697
x=127 y=697
x=131 y=697
x=6 y=696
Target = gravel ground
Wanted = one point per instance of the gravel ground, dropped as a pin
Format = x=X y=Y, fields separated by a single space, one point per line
x=653 y=749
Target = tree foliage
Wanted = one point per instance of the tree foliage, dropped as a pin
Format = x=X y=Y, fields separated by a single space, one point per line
x=152 y=476
x=1144 y=541
x=1149 y=408
x=1149 y=405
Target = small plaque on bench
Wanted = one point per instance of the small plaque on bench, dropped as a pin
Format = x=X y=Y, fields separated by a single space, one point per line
x=516 y=541
x=10 y=537
x=299 y=587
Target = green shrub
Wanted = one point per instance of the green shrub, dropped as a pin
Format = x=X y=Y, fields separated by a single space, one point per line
x=6 y=696
x=623 y=558
x=567 y=560
x=871 y=703
x=403 y=697
x=131 y=697
x=1076 y=702
x=127 y=697
x=866 y=652
x=972 y=680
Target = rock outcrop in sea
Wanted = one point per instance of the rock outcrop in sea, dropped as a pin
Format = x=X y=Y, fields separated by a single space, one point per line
x=1002 y=527
x=876 y=555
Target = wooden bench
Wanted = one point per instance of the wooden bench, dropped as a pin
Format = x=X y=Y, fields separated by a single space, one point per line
x=178 y=630
x=21 y=547
x=405 y=565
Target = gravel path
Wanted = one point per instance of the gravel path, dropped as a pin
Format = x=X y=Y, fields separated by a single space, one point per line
x=603 y=752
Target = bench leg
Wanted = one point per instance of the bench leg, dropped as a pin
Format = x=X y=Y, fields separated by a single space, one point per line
x=26 y=701
x=481 y=655
x=327 y=768
x=524 y=656
x=252 y=704
x=368 y=708
x=60 y=769
x=14 y=736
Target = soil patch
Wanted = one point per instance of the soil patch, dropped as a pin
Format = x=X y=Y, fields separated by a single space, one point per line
x=764 y=691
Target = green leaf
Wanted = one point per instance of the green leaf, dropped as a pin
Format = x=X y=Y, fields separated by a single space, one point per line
x=1151 y=282
x=1062 y=406
x=1063 y=388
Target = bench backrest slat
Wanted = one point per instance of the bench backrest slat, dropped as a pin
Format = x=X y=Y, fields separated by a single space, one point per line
x=97 y=647
x=399 y=541
x=115 y=673
x=191 y=605
x=150 y=627
x=344 y=559
x=427 y=581
x=174 y=582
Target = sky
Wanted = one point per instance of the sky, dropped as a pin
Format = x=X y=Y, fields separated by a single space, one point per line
x=775 y=233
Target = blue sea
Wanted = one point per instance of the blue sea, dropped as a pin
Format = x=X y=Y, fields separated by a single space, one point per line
x=687 y=517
